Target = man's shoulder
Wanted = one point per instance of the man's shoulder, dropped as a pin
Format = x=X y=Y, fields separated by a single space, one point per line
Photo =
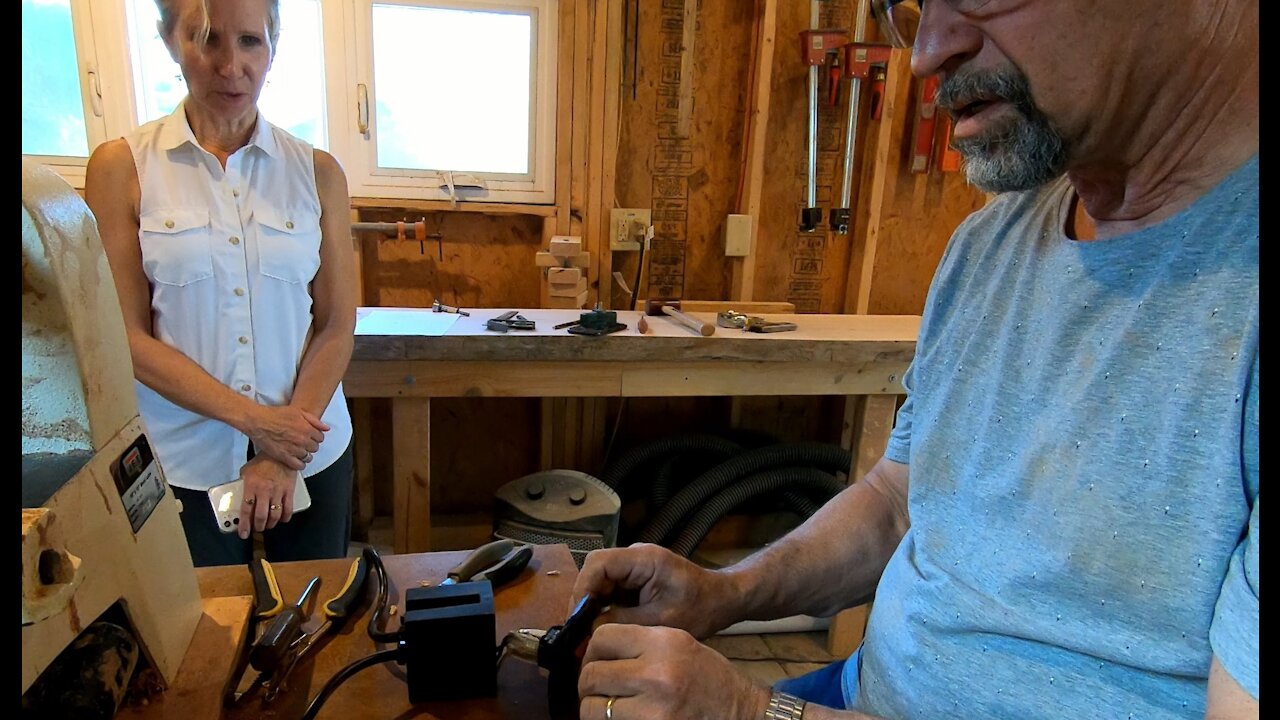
x=1016 y=209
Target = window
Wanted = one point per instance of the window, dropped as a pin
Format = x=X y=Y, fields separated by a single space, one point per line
x=456 y=99
x=416 y=98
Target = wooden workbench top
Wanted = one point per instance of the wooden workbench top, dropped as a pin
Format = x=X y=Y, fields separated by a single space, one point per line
x=818 y=338
x=539 y=598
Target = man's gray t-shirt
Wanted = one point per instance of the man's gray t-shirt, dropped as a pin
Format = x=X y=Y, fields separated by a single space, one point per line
x=1082 y=436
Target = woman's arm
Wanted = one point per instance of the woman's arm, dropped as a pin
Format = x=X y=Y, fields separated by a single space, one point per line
x=333 y=294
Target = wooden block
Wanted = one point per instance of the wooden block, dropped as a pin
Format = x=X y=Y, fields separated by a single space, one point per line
x=564 y=276
x=578 y=288
x=568 y=302
x=581 y=260
x=564 y=245
x=545 y=259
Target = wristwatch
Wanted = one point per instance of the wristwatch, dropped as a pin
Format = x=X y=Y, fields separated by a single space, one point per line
x=783 y=706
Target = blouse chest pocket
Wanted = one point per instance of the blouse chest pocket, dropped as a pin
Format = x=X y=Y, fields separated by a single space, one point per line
x=175 y=246
x=288 y=244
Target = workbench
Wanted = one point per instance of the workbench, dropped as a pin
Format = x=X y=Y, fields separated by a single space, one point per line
x=850 y=355
x=538 y=598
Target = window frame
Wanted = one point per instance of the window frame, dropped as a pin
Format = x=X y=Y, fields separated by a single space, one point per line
x=102 y=38
x=536 y=187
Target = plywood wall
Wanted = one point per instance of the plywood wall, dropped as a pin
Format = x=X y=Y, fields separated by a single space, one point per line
x=652 y=105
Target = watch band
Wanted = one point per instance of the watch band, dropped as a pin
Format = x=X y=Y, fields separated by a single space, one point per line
x=783 y=706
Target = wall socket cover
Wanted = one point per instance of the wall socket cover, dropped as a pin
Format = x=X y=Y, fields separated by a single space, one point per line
x=628 y=227
x=737 y=236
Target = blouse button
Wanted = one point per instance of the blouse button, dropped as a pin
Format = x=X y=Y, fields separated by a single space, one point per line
x=168 y=224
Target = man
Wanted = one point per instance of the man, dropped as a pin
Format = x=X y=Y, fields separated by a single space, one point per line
x=1065 y=521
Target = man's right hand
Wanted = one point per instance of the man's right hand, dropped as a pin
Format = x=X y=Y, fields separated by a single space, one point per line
x=287 y=434
x=670 y=590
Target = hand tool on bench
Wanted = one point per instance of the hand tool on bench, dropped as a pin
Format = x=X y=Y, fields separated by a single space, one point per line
x=751 y=323
x=498 y=562
x=509 y=320
x=336 y=611
x=445 y=636
x=671 y=308
x=283 y=626
x=558 y=650
x=437 y=306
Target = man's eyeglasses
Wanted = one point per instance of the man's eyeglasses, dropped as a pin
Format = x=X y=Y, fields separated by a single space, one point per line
x=899 y=19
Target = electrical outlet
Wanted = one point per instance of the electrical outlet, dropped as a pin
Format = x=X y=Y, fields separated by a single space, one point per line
x=737 y=236
x=628 y=228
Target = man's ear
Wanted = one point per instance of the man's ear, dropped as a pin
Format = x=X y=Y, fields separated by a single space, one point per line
x=168 y=44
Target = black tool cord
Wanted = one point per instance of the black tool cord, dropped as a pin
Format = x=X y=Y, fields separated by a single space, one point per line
x=344 y=674
x=376 y=622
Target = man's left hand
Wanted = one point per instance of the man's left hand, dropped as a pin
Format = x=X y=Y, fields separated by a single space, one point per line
x=660 y=672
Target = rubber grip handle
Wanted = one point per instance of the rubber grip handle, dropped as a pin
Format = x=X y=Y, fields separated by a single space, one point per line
x=267 y=601
x=507 y=570
x=481 y=558
x=340 y=605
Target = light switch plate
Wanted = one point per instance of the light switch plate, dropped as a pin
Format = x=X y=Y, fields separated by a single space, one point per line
x=737 y=236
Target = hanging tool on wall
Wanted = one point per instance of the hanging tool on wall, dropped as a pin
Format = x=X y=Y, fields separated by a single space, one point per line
x=948 y=156
x=862 y=61
x=856 y=70
x=404 y=230
x=925 y=129
x=815 y=45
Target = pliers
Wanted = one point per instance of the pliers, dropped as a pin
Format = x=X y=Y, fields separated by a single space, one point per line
x=279 y=646
x=499 y=562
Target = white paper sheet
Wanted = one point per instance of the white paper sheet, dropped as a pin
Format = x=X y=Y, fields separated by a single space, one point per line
x=403 y=321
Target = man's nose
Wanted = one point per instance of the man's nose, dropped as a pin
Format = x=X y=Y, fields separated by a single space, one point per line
x=944 y=40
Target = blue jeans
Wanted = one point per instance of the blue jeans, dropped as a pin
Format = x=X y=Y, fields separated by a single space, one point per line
x=820 y=687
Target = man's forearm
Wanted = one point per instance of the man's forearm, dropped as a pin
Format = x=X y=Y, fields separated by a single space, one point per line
x=826 y=564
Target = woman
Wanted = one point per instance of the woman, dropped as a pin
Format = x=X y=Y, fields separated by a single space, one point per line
x=227 y=238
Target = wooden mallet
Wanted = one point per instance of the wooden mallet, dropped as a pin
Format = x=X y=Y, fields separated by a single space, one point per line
x=671 y=308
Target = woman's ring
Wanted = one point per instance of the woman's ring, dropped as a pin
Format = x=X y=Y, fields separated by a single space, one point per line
x=608 y=708
x=250 y=501
x=273 y=506
x=307 y=458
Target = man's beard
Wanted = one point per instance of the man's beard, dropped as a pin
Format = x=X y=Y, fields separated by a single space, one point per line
x=1019 y=150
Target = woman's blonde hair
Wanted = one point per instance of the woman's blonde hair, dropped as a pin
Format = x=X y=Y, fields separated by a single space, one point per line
x=169 y=20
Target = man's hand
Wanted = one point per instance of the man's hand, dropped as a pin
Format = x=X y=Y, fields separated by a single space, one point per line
x=658 y=672
x=671 y=590
x=287 y=433
x=268 y=494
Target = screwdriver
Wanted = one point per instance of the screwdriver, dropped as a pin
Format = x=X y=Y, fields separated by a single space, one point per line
x=336 y=611
x=271 y=648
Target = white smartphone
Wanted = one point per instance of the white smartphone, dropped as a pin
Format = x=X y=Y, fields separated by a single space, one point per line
x=226 y=498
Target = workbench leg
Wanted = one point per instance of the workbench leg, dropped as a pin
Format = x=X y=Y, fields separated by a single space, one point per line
x=362 y=422
x=411 y=461
x=868 y=422
x=845 y=633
